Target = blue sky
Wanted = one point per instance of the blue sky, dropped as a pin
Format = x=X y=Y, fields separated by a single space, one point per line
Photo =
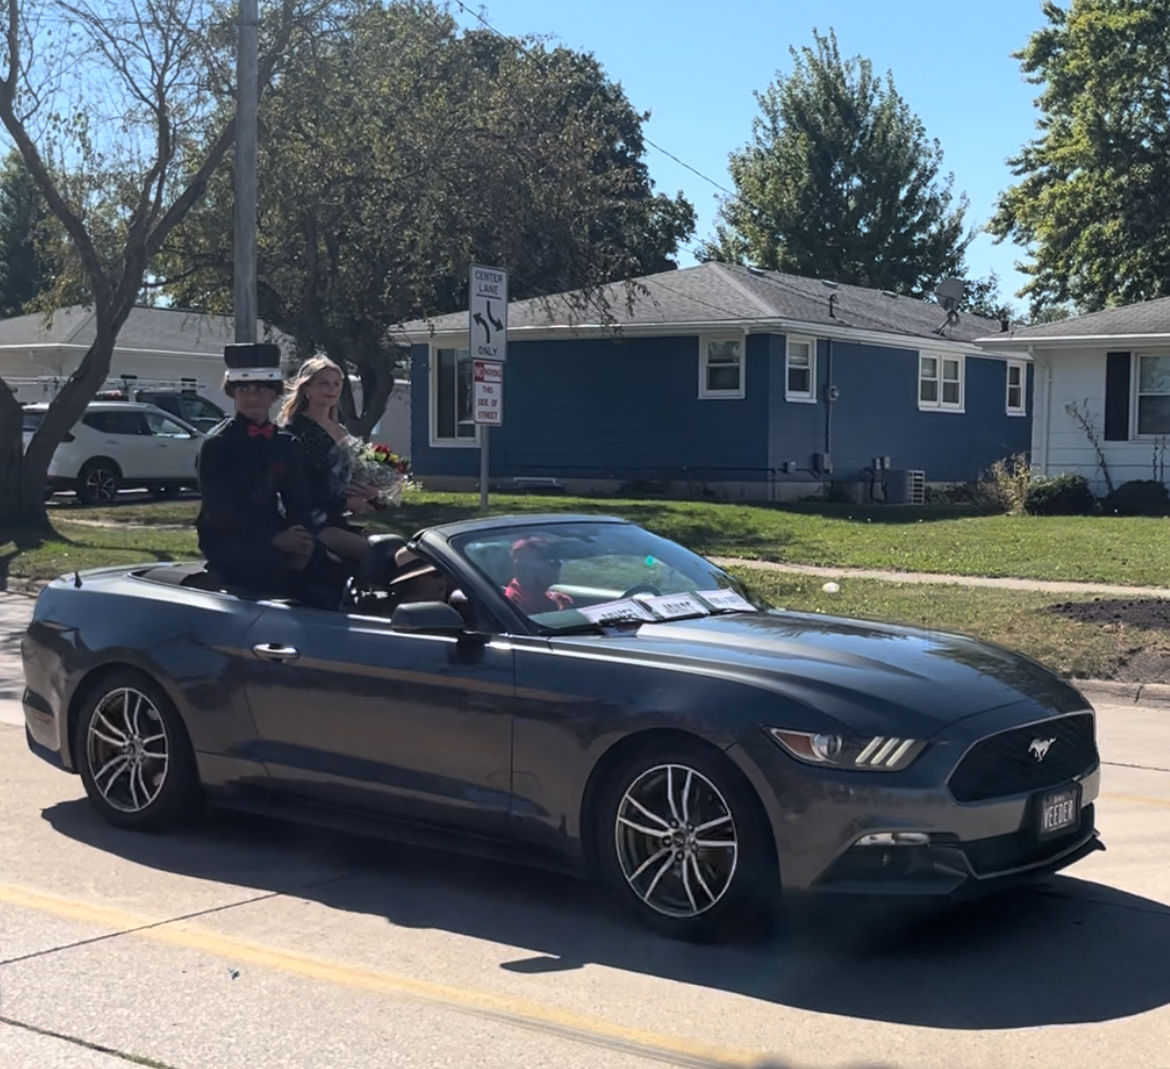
x=695 y=65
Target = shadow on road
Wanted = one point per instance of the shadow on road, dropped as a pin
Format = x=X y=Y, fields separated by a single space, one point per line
x=1063 y=952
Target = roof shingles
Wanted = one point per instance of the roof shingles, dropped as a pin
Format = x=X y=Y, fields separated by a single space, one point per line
x=715 y=292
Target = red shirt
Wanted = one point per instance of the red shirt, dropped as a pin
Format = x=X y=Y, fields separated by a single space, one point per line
x=531 y=603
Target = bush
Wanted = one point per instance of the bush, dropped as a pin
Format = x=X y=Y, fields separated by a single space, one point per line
x=1004 y=486
x=1059 y=495
x=1140 y=497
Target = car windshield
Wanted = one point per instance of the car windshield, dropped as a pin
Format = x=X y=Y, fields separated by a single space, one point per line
x=582 y=576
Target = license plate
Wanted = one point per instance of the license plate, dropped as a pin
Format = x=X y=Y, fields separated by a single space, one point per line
x=1058 y=811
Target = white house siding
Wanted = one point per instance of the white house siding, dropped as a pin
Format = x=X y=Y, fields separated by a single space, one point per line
x=1077 y=376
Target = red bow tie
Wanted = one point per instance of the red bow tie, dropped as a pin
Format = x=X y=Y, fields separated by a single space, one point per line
x=259 y=432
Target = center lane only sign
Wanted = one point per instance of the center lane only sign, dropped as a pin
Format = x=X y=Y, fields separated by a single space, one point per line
x=488 y=316
x=488 y=395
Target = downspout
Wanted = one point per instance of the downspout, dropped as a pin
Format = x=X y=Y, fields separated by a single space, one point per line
x=830 y=397
x=1047 y=436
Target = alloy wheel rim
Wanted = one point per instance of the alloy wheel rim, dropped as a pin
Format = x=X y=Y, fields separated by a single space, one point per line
x=127 y=750
x=676 y=841
x=101 y=484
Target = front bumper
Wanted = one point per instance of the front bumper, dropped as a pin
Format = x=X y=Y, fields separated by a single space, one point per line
x=821 y=819
x=948 y=866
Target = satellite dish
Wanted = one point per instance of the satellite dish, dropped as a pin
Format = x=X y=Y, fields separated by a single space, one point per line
x=950 y=292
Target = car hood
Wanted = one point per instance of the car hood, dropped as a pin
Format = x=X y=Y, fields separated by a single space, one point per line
x=867 y=675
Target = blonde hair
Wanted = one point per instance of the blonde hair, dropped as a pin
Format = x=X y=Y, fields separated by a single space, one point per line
x=295 y=401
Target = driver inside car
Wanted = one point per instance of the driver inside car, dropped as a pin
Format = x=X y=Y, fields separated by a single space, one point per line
x=534 y=570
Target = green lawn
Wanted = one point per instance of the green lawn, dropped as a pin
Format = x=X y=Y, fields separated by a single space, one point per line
x=1124 y=550
x=1032 y=623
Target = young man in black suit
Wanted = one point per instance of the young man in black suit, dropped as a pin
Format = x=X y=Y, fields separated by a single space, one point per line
x=253 y=524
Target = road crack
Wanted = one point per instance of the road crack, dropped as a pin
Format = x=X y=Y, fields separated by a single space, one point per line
x=77 y=1041
x=210 y=911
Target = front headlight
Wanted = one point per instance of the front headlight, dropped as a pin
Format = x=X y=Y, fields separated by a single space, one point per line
x=879 y=753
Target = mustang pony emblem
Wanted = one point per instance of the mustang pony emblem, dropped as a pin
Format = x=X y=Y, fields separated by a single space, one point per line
x=1040 y=747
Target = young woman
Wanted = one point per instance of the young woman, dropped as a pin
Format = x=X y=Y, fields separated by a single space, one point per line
x=310 y=414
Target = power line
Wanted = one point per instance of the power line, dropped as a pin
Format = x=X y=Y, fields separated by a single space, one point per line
x=682 y=163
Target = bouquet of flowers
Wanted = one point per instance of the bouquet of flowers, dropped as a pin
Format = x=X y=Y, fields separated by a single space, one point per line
x=380 y=467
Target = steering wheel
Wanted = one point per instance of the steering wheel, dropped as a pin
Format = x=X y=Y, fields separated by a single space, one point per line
x=643 y=588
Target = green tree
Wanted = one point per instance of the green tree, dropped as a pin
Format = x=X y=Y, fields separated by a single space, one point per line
x=841 y=182
x=1093 y=200
x=399 y=151
x=26 y=269
x=117 y=168
x=984 y=299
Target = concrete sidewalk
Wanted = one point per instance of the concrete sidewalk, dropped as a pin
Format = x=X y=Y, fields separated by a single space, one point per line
x=1045 y=585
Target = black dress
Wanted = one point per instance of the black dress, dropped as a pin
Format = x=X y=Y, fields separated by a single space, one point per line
x=253 y=484
x=328 y=467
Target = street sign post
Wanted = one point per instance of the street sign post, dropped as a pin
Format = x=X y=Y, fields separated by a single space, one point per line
x=487 y=326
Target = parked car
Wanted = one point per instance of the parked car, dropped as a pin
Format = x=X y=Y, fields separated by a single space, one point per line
x=119 y=445
x=668 y=732
x=187 y=405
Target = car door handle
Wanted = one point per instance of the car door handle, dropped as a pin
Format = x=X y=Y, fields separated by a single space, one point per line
x=270 y=651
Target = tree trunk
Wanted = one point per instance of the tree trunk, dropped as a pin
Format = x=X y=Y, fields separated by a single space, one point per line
x=22 y=493
x=24 y=473
x=377 y=385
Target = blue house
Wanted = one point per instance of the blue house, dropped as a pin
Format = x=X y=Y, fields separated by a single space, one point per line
x=725 y=381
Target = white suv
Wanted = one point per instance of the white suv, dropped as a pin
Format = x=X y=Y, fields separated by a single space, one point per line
x=120 y=444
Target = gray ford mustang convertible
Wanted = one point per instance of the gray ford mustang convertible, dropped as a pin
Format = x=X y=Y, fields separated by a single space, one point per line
x=577 y=692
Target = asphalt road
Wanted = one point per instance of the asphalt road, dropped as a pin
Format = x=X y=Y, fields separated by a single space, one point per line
x=251 y=943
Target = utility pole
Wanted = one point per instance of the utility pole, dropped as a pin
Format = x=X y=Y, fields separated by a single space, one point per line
x=247 y=89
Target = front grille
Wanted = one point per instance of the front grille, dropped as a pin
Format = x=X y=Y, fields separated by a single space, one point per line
x=1003 y=853
x=1006 y=763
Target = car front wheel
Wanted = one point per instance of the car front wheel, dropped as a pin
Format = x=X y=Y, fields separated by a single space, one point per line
x=682 y=843
x=134 y=756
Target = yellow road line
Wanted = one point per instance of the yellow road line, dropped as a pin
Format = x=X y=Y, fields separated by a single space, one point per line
x=504 y=1008
x=1142 y=798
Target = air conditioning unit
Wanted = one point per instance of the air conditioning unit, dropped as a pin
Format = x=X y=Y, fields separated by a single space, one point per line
x=905 y=487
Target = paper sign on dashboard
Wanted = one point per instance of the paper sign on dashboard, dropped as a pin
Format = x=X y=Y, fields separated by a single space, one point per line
x=672 y=606
x=626 y=610
x=726 y=599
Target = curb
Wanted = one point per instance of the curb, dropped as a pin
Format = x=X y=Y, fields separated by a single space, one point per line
x=1154 y=694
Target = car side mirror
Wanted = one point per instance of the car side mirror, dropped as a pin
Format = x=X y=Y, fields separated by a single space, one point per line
x=429 y=617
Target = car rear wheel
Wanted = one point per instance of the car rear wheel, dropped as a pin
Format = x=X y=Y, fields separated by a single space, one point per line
x=134 y=755
x=97 y=483
x=682 y=844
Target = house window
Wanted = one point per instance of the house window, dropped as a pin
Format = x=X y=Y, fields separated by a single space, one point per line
x=1153 y=395
x=721 y=367
x=452 y=421
x=1016 y=385
x=940 y=382
x=800 y=369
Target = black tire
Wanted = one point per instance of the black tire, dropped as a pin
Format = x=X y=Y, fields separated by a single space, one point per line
x=116 y=716
x=702 y=893
x=97 y=482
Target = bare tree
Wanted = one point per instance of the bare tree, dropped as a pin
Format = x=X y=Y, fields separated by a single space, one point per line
x=112 y=104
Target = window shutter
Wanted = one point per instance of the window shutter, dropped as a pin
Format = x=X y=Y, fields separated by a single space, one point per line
x=1117 y=397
